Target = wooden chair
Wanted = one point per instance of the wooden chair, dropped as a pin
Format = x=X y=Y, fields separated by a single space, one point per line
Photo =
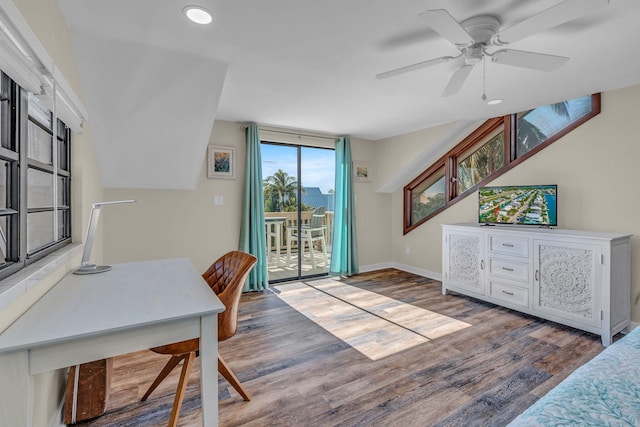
x=226 y=278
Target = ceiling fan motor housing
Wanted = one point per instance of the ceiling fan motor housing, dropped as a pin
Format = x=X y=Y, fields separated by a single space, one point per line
x=481 y=29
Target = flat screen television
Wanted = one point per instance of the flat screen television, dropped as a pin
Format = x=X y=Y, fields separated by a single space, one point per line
x=519 y=204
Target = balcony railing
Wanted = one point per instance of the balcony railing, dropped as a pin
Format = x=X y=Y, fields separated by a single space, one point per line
x=292 y=221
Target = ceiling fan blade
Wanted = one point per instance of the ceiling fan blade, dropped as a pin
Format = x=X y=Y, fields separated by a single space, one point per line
x=457 y=80
x=447 y=27
x=413 y=67
x=560 y=13
x=535 y=61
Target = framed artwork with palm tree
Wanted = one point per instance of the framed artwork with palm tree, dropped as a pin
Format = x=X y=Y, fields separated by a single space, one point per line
x=220 y=162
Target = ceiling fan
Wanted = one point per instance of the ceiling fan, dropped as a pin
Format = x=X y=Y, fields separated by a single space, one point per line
x=475 y=36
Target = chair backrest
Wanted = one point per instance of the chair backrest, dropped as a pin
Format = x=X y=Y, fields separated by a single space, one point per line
x=317 y=217
x=226 y=278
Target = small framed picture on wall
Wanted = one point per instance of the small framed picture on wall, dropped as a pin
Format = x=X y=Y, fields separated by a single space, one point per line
x=220 y=163
x=362 y=172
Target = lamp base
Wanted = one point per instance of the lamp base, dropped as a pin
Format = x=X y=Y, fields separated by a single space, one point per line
x=91 y=269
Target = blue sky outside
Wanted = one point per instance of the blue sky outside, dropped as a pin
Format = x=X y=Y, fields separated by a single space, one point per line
x=317 y=164
x=435 y=188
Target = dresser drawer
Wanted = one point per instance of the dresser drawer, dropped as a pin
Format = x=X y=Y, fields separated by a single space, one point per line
x=508 y=245
x=507 y=293
x=508 y=269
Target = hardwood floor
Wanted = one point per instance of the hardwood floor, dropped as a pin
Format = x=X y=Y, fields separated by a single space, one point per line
x=472 y=363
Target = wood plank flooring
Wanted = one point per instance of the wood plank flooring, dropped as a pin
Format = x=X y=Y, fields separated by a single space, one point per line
x=300 y=373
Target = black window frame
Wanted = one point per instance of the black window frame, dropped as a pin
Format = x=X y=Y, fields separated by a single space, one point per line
x=14 y=122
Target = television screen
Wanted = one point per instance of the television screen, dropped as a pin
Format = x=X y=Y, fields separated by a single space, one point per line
x=521 y=204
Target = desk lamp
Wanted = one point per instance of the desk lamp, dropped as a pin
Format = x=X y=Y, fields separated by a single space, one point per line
x=86 y=267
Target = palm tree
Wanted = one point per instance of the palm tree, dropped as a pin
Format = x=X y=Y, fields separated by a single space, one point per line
x=482 y=163
x=278 y=189
x=529 y=135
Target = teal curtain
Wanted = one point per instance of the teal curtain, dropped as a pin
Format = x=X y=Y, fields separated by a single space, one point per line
x=344 y=251
x=252 y=231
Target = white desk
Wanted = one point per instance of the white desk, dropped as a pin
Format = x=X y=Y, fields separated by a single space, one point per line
x=133 y=307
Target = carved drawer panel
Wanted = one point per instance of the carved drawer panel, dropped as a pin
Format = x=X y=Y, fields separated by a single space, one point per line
x=567 y=280
x=464 y=260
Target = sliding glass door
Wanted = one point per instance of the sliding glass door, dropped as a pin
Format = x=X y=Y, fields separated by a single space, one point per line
x=298 y=205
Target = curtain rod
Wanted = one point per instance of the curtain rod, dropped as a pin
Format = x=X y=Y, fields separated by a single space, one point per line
x=297 y=134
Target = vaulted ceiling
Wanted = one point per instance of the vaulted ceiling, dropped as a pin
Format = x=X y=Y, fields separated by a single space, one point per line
x=154 y=82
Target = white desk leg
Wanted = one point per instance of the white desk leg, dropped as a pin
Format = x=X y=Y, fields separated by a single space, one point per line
x=209 y=369
x=16 y=390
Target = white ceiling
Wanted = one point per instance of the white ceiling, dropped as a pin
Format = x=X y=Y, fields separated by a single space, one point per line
x=154 y=82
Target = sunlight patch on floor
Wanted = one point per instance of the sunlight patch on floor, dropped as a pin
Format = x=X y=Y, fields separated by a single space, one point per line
x=375 y=325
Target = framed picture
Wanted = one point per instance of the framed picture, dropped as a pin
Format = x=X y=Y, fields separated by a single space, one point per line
x=220 y=162
x=362 y=172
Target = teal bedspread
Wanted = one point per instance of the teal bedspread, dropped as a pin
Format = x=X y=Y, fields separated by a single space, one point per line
x=603 y=392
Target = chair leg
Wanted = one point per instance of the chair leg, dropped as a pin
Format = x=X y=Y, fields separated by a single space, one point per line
x=182 y=386
x=323 y=242
x=228 y=374
x=172 y=363
x=311 y=252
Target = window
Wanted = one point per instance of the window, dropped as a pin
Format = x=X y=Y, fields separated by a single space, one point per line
x=536 y=126
x=481 y=160
x=427 y=197
x=35 y=182
x=495 y=147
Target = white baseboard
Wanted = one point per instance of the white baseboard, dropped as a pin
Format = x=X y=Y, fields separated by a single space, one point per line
x=419 y=271
x=403 y=267
x=374 y=267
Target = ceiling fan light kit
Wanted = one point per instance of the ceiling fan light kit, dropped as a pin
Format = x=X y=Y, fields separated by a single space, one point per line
x=476 y=36
x=198 y=14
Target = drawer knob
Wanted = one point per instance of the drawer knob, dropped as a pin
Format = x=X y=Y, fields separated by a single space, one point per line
x=507 y=292
x=509 y=245
x=507 y=268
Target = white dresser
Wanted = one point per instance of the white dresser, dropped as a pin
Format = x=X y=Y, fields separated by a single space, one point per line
x=577 y=278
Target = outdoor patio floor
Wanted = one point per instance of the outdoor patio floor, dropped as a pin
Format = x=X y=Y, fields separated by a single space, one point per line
x=283 y=268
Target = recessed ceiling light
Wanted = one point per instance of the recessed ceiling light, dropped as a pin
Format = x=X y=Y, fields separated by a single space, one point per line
x=197 y=14
x=494 y=101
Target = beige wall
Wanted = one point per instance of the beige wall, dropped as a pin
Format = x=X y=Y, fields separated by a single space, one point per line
x=180 y=223
x=595 y=167
x=185 y=223
x=47 y=22
x=373 y=213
